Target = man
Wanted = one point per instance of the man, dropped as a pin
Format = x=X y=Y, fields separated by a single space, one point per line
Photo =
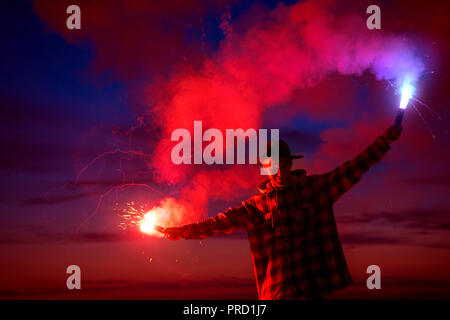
x=291 y=228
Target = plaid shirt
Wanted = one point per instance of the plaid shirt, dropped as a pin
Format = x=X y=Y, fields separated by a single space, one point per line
x=292 y=231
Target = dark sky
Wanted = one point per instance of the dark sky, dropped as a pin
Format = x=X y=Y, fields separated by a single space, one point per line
x=86 y=117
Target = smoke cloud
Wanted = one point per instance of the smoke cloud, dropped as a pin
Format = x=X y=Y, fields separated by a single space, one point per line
x=265 y=56
x=280 y=51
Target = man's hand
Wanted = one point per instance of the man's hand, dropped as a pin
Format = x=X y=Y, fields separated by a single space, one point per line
x=174 y=233
x=392 y=133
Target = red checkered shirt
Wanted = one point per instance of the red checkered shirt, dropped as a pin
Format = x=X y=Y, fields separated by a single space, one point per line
x=292 y=231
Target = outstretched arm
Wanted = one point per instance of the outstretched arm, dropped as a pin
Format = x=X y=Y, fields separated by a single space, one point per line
x=227 y=222
x=341 y=179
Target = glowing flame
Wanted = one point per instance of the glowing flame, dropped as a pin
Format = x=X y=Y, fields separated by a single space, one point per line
x=148 y=223
x=152 y=219
x=407 y=93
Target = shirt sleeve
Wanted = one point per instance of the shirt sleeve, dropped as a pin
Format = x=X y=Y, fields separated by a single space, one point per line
x=227 y=222
x=340 y=180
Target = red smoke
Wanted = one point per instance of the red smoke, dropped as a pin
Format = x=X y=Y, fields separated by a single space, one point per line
x=266 y=59
x=291 y=48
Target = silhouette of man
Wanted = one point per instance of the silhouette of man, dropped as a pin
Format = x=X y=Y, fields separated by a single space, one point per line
x=291 y=227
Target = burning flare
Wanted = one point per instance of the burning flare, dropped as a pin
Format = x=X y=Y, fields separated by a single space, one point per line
x=407 y=93
x=148 y=223
x=152 y=219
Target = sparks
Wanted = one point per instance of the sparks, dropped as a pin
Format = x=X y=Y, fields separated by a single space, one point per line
x=141 y=217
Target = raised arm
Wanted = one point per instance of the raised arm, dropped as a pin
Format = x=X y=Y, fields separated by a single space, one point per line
x=341 y=179
x=227 y=222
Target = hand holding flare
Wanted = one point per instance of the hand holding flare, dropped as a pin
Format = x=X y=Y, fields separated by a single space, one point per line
x=174 y=233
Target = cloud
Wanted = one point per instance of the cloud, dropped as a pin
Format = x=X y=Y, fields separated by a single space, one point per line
x=224 y=288
x=52 y=200
x=424 y=228
x=441 y=181
x=28 y=234
x=364 y=238
x=149 y=40
x=413 y=219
